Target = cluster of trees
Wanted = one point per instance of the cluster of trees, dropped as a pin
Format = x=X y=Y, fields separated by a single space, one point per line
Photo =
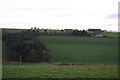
x=80 y=33
x=36 y=31
x=24 y=47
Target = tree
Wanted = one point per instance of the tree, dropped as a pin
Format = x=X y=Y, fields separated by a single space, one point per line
x=33 y=56
x=80 y=33
x=26 y=46
x=47 y=56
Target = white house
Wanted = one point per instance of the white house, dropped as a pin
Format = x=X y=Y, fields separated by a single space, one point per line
x=97 y=35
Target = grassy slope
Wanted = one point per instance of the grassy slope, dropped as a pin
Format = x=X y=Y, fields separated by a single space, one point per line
x=52 y=71
x=79 y=50
x=14 y=30
x=82 y=49
x=110 y=34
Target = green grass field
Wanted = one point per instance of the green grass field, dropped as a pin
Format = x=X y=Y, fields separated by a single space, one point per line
x=110 y=34
x=85 y=50
x=82 y=49
x=55 y=71
x=13 y=30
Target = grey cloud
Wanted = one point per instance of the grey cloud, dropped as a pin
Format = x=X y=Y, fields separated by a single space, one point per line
x=108 y=24
x=113 y=16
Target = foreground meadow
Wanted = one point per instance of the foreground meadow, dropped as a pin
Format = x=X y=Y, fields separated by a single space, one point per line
x=58 y=71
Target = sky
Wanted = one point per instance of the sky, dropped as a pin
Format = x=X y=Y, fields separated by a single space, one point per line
x=59 y=14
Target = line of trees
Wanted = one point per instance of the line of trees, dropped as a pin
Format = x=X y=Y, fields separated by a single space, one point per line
x=25 y=47
x=69 y=32
x=80 y=33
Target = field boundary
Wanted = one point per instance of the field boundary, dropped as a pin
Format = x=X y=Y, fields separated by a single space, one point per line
x=52 y=63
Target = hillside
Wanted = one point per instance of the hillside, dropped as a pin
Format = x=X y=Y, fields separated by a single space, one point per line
x=82 y=49
x=110 y=34
x=79 y=49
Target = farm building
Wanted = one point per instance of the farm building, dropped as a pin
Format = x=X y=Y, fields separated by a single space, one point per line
x=94 y=30
x=97 y=35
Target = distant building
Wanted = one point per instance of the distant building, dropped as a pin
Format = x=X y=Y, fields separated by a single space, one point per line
x=97 y=35
x=68 y=29
x=94 y=30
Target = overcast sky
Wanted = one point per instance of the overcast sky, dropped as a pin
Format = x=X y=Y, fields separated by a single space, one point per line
x=59 y=14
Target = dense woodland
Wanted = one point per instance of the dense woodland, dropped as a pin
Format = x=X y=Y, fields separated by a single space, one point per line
x=24 y=47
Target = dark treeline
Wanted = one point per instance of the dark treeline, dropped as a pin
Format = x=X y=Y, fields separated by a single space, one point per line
x=66 y=32
x=80 y=33
x=25 y=48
